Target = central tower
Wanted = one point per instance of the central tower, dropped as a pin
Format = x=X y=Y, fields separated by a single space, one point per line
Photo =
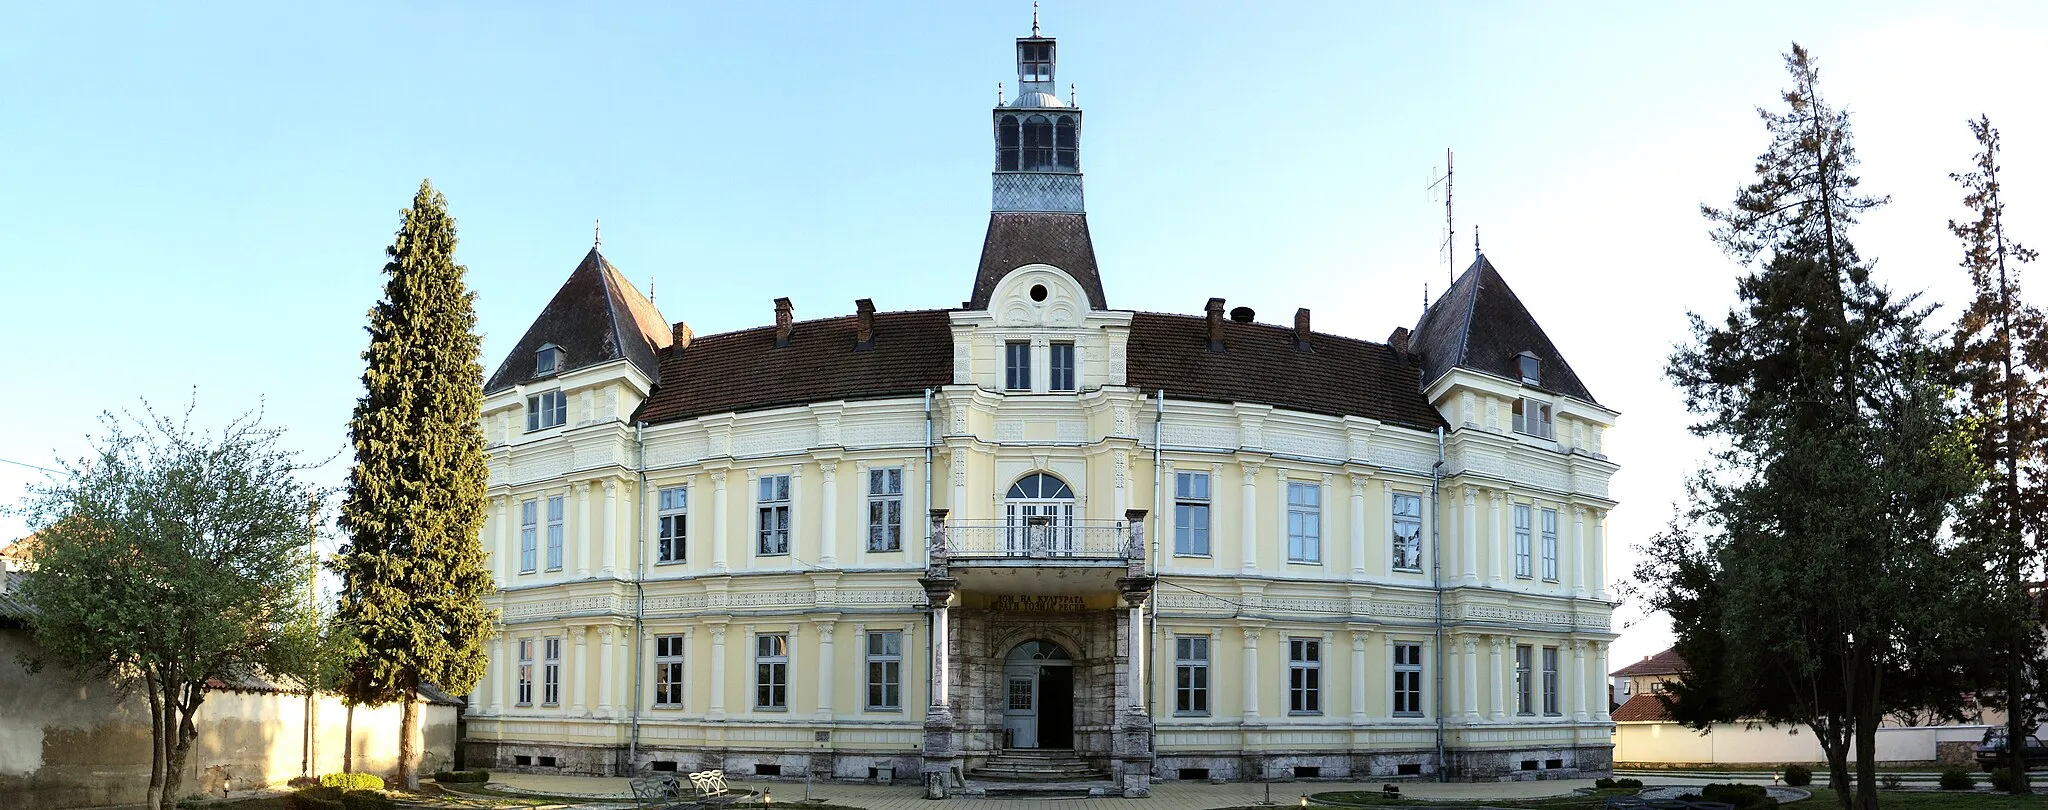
x=1037 y=213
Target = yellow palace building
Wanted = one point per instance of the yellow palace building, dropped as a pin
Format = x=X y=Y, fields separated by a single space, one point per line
x=1035 y=539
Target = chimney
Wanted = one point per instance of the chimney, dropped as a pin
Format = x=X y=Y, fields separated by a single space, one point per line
x=785 y=316
x=864 y=324
x=1215 y=310
x=1398 y=341
x=679 y=336
x=1301 y=330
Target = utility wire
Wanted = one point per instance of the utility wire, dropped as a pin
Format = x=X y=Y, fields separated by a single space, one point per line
x=30 y=466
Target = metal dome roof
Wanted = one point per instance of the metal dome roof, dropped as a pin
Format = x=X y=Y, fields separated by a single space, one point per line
x=1038 y=99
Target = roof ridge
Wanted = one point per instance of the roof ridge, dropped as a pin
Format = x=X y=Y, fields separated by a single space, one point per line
x=611 y=310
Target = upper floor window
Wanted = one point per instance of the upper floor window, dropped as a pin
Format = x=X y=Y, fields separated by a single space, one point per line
x=529 y=535
x=1304 y=522
x=1038 y=149
x=1034 y=61
x=672 y=526
x=1522 y=567
x=557 y=511
x=1191 y=514
x=1407 y=539
x=885 y=509
x=1038 y=516
x=1531 y=368
x=1017 y=366
x=547 y=409
x=547 y=360
x=1550 y=544
x=1533 y=417
x=774 y=513
x=1062 y=367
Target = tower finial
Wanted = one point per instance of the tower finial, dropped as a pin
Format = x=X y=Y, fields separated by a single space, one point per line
x=596 y=234
x=1073 y=98
x=999 y=94
x=1475 y=239
x=1034 y=18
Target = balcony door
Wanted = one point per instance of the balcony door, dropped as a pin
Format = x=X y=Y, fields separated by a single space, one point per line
x=1038 y=517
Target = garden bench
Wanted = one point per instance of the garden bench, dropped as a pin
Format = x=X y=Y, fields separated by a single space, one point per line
x=659 y=793
x=711 y=788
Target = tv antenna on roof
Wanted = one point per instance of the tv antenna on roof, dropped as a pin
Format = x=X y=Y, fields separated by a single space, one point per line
x=1450 y=231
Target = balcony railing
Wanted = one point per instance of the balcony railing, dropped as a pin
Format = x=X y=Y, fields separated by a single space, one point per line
x=1039 y=538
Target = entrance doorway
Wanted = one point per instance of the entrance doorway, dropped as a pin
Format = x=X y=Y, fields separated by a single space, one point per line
x=1038 y=696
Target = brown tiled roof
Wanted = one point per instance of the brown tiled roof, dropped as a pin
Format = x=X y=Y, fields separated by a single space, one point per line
x=22 y=549
x=1016 y=239
x=745 y=370
x=596 y=317
x=1481 y=325
x=1664 y=663
x=1260 y=363
x=1645 y=707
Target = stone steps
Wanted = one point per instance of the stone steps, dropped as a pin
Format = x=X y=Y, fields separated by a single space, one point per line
x=1040 y=772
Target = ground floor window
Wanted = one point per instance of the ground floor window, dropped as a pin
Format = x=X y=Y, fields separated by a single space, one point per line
x=668 y=671
x=1304 y=676
x=885 y=670
x=1191 y=675
x=771 y=671
x=1408 y=679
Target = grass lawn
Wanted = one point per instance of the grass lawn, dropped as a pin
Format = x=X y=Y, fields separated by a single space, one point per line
x=1583 y=801
x=1824 y=799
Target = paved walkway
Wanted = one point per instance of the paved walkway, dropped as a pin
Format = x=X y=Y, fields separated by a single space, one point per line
x=1171 y=794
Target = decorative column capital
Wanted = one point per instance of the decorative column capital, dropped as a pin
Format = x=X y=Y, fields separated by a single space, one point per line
x=1251 y=637
x=611 y=487
x=826 y=629
x=718 y=479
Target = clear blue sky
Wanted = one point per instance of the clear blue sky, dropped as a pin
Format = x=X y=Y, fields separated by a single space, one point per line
x=199 y=198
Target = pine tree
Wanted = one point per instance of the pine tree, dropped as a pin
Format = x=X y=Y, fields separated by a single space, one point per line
x=2001 y=347
x=414 y=579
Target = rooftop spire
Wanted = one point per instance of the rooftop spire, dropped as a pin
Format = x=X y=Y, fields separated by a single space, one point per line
x=1034 y=18
x=596 y=234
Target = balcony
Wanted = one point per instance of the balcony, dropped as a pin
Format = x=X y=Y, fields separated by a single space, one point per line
x=1038 y=554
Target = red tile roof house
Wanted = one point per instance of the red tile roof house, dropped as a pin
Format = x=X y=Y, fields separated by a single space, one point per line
x=1645 y=735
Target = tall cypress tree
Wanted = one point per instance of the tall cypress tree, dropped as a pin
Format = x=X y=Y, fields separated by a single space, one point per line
x=414 y=581
x=2001 y=349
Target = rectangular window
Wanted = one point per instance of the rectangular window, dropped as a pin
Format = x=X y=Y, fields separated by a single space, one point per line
x=525 y=672
x=1407 y=540
x=556 y=511
x=1304 y=676
x=1550 y=545
x=774 y=515
x=1523 y=704
x=551 y=671
x=885 y=509
x=1191 y=514
x=771 y=671
x=672 y=526
x=1062 y=367
x=1550 y=681
x=546 y=409
x=529 y=535
x=1533 y=418
x=1191 y=675
x=668 y=671
x=1017 y=366
x=1304 y=522
x=1408 y=680
x=1522 y=540
x=885 y=670
x=546 y=360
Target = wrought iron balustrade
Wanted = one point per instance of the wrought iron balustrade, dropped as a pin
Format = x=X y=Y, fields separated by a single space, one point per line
x=1039 y=538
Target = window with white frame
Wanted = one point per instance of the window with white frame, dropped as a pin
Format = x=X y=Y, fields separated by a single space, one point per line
x=1304 y=522
x=1522 y=540
x=547 y=409
x=885 y=670
x=551 y=671
x=1408 y=680
x=672 y=525
x=1062 y=367
x=885 y=509
x=1533 y=417
x=1191 y=675
x=1550 y=545
x=1304 y=676
x=547 y=360
x=1523 y=704
x=557 y=510
x=773 y=510
x=525 y=697
x=668 y=671
x=771 y=671
x=1191 y=514
x=1407 y=539
x=1550 y=681
x=529 y=535
x=1017 y=366
x=1530 y=367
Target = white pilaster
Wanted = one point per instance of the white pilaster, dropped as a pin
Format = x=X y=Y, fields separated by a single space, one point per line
x=1578 y=681
x=720 y=538
x=1500 y=682
x=718 y=671
x=1358 y=640
x=1248 y=529
x=1600 y=712
x=608 y=561
x=1357 y=526
x=503 y=555
x=489 y=685
x=1470 y=549
x=1500 y=538
x=1251 y=674
x=579 y=668
x=1598 y=555
x=1134 y=641
x=1471 y=680
x=1574 y=570
x=606 y=663
x=582 y=533
x=827 y=628
x=796 y=516
x=942 y=644
x=828 y=515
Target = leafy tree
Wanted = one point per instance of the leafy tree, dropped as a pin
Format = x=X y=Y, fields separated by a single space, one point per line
x=166 y=558
x=414 y=581
x=2001 y=347
x=1818 y=585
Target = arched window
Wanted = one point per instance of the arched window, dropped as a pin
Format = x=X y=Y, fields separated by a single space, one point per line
x=1008 y=155
x=1037 y=651
x=1065 y=142
x=1037 y=143
x=1038 y=517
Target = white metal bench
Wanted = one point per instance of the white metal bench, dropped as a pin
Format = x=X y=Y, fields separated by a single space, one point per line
x=711 y=787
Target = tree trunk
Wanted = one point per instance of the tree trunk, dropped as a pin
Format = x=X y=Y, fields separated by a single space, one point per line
x=408 y=754
x=348 y=741
x=1866 y=753
x=153 y=797
x=176 y=722
x=1835 y=746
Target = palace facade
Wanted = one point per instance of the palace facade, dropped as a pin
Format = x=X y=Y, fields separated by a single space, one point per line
x=1037 y=537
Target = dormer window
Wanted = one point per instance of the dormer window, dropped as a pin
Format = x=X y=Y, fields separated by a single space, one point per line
x=547 y=360
x=1532 y=368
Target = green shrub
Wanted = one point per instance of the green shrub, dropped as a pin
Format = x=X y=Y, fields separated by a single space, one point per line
x=352 y=781
x=1604 y=783
x=315 y=798
x=2001 y=779
x=1798 y=775
x=1957 y=779
x=462 y=776
x=297 y=782
x=1630 y=783
x=1744 y=797
x=366 y=800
